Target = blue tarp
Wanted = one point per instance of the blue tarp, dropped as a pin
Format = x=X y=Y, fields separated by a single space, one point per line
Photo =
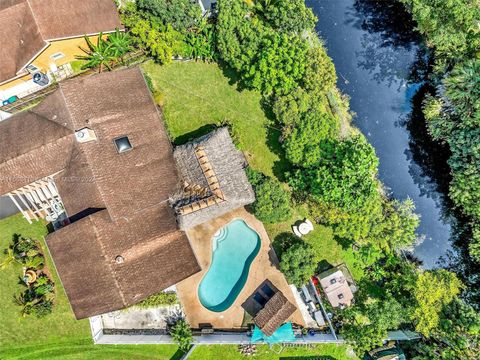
x=283 y=334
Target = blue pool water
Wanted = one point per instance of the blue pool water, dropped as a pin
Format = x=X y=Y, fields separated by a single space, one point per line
x=234 y=248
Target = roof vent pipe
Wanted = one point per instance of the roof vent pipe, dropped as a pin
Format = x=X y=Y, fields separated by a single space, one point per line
x=85 y=135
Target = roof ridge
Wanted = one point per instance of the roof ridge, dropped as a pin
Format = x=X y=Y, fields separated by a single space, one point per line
x=36 y=22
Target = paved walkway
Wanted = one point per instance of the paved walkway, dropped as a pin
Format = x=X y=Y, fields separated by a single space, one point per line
x=225 y=338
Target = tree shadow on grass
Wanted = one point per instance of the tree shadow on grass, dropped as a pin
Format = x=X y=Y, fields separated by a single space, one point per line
x=178 y=355
x=202 y=130
x=283 y=241
x=233 y=76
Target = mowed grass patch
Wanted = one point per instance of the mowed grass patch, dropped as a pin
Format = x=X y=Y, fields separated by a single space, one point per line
x=230 y=352
x=329 y=252
x=197 y=96
x=85 y=350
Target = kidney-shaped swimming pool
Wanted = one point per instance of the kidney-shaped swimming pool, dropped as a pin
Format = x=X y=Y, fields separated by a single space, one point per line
x=234 y=248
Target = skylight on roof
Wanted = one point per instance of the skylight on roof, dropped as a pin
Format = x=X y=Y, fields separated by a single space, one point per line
x=123 y=144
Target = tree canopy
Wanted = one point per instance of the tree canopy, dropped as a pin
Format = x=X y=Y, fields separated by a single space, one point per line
x=180 y=14
x=433 y=291
x=298 y=263
x=345 y=175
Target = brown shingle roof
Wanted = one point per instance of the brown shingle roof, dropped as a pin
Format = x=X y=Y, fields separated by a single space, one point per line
x=31 y=147
x=28 y=25
x=120 y=201
x=85 y=252
x=66 y=18
x=115 y=106
x=20 y=37
x=275 y=312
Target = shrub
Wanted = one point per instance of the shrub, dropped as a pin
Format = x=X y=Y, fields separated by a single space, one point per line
x=298 y=264
x=42 y=308
x=182 y=335
x=160 y=299
x=272 y=203
x=181 y=14
x=320 y=75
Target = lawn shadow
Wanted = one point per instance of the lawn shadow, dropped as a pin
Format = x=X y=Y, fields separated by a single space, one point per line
x=324 y=265
x=178 y=355
x=232 y=76
x=344 y=242
x=274 y=143
x=283 y=241
x=202 y=130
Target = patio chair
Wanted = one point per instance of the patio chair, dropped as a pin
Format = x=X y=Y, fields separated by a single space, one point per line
x=296 y=231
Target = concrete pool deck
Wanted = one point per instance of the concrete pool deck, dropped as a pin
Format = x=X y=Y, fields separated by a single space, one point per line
x=264 y=266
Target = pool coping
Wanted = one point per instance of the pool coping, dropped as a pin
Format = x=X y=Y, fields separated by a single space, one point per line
x=255 y=252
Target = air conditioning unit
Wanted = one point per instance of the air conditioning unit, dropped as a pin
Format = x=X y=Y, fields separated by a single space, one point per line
x=85 y=135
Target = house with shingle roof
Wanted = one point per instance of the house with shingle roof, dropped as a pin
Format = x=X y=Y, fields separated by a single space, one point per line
x=43 y=37
x=102 y=169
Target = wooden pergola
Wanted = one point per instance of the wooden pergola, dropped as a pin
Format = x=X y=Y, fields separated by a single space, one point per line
x=39 y=199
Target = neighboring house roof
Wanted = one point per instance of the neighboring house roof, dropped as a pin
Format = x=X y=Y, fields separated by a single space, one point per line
x=276 y=311
x=28 y=25
x=214 y=179
x=120 y=201
x=335 y=286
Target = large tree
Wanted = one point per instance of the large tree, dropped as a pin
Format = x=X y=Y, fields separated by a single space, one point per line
x=434 y=290
x=298 y=263
x=345 y=177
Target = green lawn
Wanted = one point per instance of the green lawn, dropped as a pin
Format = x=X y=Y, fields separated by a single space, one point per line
x=197 y=96
x=230 y=352
x=83 y=350
x=59 y=335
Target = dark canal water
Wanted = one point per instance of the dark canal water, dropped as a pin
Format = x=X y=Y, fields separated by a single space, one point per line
x=380 y=65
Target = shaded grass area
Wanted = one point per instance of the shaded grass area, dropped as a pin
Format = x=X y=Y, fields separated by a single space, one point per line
x=318 y=352
x=329 y=252
x=195 y=97
x=58 y=335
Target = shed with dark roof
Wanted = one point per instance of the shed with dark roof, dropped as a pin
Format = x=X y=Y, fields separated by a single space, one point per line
x=275 y=312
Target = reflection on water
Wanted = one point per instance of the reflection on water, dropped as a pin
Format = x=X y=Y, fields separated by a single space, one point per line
x=381 y=67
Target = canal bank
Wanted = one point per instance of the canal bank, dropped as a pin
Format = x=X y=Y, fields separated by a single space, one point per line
x=379 y=62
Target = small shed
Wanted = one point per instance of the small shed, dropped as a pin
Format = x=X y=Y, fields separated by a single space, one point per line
x=336 y=288
x=275 y=312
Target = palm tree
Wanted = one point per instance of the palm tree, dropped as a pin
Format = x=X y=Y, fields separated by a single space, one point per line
x=120 y=44
x=98 y=55
x=26 y=302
